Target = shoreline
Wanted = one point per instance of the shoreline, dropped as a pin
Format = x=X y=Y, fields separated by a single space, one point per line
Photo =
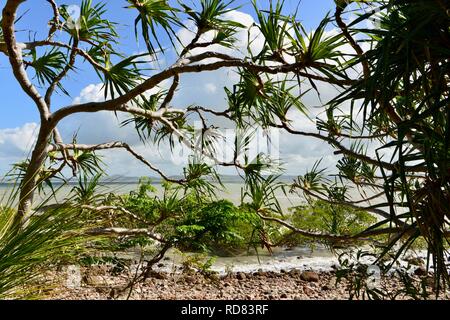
x=97 y=283
x=287 y=275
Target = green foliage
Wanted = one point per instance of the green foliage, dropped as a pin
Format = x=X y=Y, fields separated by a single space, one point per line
x=259 y=99
x=189 y=221
x=91 y=26
x=262 y=193
x=87 y=162
x=217 y=226
x=154 y=14
x=210 y=17
x=145 y=126
x=86 y=190
x=274 y=26
x=331 y=219
x=316 y=46
x=201 y=180
x=48 y=66
x=48 y=238
x=123 y=76
x=405 y=94
x=196 y=262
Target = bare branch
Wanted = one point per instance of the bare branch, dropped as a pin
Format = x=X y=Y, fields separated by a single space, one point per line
x=372 y=209
x=332 y=237
x=348 y=152
x=225 y=113
x=62 y=74
x=120 y=232
x=55 y=25
x=112 y=145
x=115 y=208
x=171 y=93
x=153 y=81
x=14 y=51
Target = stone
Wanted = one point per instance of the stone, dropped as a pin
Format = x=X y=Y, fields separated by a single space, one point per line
x=309 y=276
x=158 y=275
x=283 y=296
x=326 y=288
x=190 y=279
x=415 y=261
x=240 y=276
x=420 y=271
x=308 y=291
x=294 y=272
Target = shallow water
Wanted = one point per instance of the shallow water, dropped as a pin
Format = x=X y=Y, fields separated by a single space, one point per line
x=231 y=192
x=281 y=260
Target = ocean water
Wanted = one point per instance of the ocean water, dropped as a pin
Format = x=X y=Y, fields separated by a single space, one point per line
x=231 y=192
x=303 y=258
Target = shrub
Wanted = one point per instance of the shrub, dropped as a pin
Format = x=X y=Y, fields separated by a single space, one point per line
x=323 y=217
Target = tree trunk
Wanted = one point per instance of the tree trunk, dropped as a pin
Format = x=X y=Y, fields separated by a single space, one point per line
x=30 y=180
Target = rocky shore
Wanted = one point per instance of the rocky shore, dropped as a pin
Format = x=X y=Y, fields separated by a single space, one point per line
x=97 y=283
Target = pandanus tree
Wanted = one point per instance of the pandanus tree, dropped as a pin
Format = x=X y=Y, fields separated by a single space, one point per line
x=388 y=120
x=399 y=105
x=92 y=39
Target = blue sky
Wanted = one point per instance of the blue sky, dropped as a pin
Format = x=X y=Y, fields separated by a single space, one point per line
x=17 y=109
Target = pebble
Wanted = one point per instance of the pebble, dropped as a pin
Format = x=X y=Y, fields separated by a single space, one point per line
x=309 y=276
x=240 y=276
x=421 y=271
x=263 y=287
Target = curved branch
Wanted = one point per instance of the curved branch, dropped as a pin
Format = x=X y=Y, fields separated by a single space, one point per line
x=14 y=51
x=153 y=81
x=171 y=93
x=348 y=152
x=112 y=145
x=353 y=206
x=359 y=51
x=332 y=237
x=62 y=74
x=225 y=113
x=55 y=25
x=114 y=231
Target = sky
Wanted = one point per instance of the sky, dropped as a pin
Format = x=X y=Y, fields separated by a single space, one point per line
x=19 y=118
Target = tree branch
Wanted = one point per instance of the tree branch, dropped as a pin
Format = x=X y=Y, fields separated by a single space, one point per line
x=153 y=81
x=115 y=208
x=55 y=25
x=114 y=231
x=14 y=51
x=112 y=145
x=316 y=235
x=348 y=152
x=62 y=74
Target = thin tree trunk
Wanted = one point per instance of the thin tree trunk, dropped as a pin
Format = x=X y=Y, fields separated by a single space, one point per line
x=30 y=180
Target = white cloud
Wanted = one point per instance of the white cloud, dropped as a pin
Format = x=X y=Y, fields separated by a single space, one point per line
x=206 y=89
x=211 y=88
x=17 y=141
x=15 y=144
x=92 y=93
